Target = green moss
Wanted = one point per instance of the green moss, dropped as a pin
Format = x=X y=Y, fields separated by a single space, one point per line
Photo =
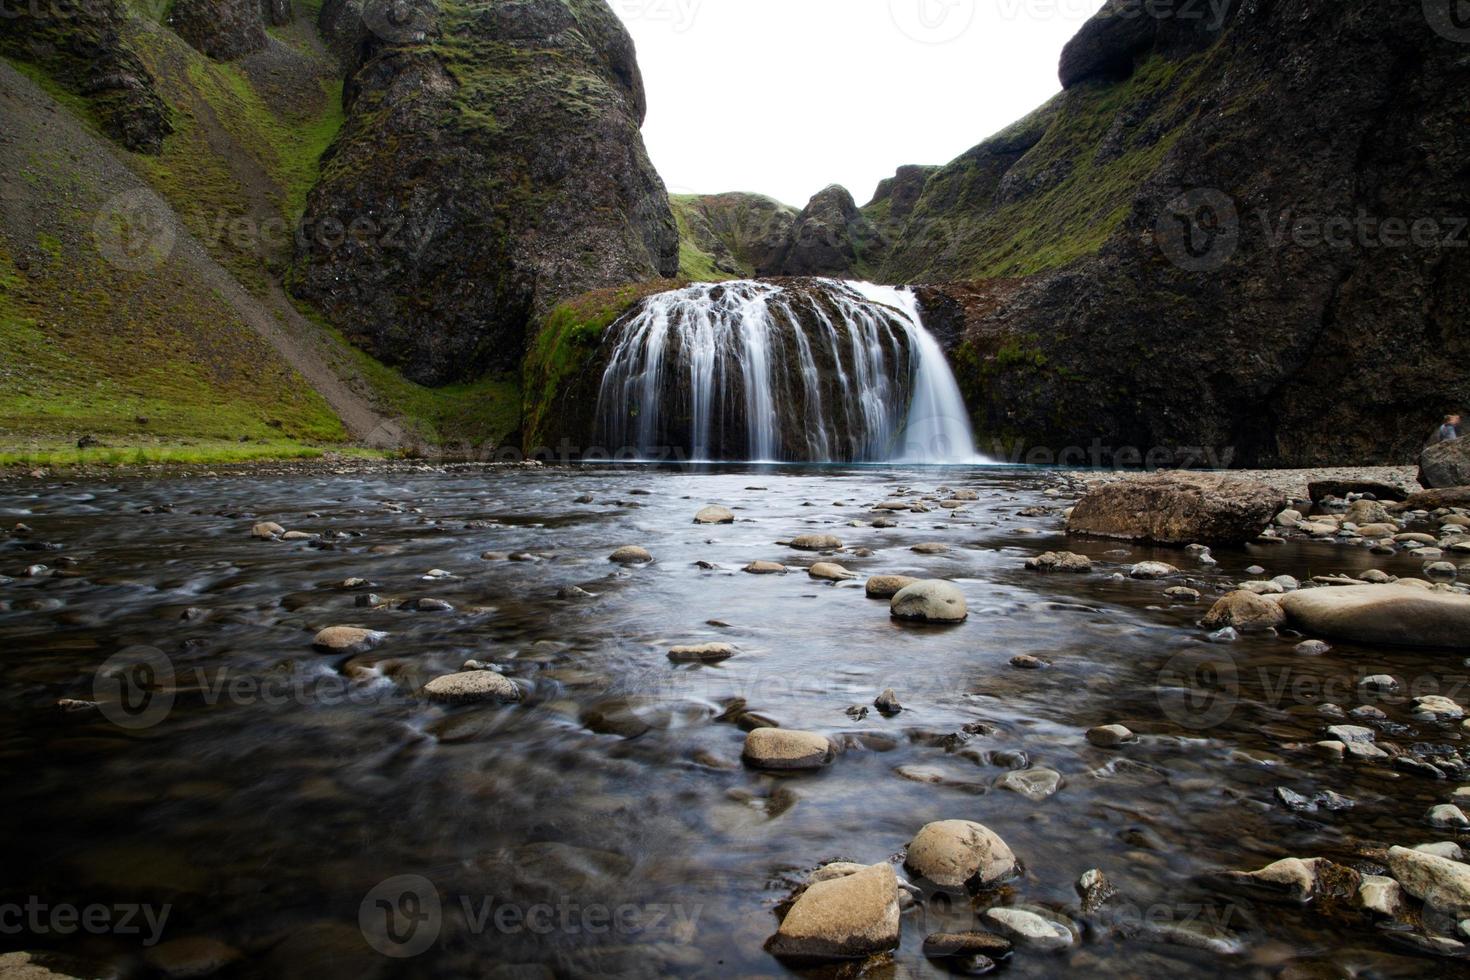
x=695 y=264
x=564 y=344
x=1083 y=195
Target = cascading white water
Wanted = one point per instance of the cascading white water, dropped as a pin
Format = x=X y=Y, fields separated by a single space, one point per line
x=819 y=371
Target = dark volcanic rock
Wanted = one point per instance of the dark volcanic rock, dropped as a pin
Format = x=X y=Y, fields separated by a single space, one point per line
x=828 y=238
x=223 y=29
x=491 y=165
x=277 y=13
x=1218 y=249
x=1445 y=464
x=1178 y=509
x=85 y=48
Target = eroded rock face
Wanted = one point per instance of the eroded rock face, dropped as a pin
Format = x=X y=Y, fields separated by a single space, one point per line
x=222 y=29
x=828 y=236
x=85 y=48
x=1178 y=509
x=493 y=164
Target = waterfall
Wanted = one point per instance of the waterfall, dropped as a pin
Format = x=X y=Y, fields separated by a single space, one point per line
x=807 y=371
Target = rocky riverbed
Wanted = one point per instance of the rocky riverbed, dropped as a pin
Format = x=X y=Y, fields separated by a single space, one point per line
x=595 y=721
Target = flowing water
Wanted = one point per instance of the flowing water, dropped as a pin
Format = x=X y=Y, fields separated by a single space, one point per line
x=605 y=826
x=825 y=372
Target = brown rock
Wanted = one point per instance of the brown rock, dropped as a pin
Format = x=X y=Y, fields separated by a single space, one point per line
x=848 y=917
x=1245 y=611
x=1178 y=508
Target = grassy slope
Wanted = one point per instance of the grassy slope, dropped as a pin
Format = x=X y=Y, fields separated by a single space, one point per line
x=962 y=230
x=237 y=169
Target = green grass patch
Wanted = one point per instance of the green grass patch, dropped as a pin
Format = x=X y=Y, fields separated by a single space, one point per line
x=147 y=454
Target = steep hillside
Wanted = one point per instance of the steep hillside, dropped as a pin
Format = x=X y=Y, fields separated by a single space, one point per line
x=1167 y=213
x=492 y=161
x=724 y=236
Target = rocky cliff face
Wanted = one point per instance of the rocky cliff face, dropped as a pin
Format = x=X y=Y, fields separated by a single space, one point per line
x=1245 y=233
x=222 y=29
x=733 y=234
x=84 y=48
x=493 y=165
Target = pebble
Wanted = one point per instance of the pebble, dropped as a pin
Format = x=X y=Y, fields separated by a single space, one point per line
x=347 y=639
x=1152 y=570
x=1379 y=684
x=888 y=586
x=631 y=555
x=1181 y=593
x=1030 y=929
x=1110 y=736
x=1027 y=662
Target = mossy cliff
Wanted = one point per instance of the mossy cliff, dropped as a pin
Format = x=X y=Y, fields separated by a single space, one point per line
x=492 y=162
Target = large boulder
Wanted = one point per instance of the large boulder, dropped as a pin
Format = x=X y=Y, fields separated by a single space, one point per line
x=828 y=238
x=931 y=601
x=1178 y=509
x=851 y=916
x=1391 y=615
x=1445 y=464
x=490 y=166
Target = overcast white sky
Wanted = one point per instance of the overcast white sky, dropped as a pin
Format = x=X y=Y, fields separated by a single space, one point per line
x=784 y=97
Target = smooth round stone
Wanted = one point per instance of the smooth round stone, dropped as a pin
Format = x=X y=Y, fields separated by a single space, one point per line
x=1027 y=662
x=347 y=639
x=631 y=555
x=782 y=748
x=959 y=855
x=1030 y=930
x=930 y=602
x=829 y=572
x=816 y=542
x=1379 y=684
x=471 y=687
x=706 y=653
x=715 y=515
x=930 y=548
x=1313 y=648
x=267 y=531
x=1152 y=570
x=1447 y=816
x=1110 y=736
x=888 y=586
x=1181 y=593
x=765 y=568
x=432 y=605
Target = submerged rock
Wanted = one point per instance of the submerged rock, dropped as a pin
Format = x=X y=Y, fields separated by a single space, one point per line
x=1035 y=929
x=631 y=555
x=816 y=542
x=1178 y=508
x=1060 y=561
x=765 y=568
x=1110 y=736
x=715 y=515
x=959 y=855
x=707 y=653
x=930 y=602
x=851 y=916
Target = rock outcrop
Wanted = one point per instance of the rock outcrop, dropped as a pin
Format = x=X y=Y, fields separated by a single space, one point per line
x=491 y=165
x=86 y=48
x=222 y=29
x=829 y=238
x=742 y=234
x=1207 y=241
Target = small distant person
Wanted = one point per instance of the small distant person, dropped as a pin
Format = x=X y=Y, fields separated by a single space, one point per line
x=1450 y=431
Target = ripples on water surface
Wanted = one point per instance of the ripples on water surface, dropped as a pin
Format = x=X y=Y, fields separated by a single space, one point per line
x=265 y=821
